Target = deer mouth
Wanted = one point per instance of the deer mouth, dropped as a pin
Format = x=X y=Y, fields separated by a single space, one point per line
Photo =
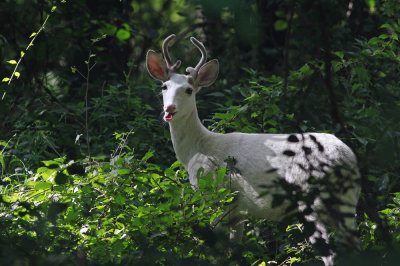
x=168 y=116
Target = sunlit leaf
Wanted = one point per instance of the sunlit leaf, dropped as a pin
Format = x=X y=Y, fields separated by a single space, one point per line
x=123 y=171
x=371 y=4
x=123 y=35
x=57 y=161
x=3 y=164
x=383 y=36
x=221 y=175
x=339 y=54
x=148 y=155
x=306 y=70
x=280 y=25
x=43 y=186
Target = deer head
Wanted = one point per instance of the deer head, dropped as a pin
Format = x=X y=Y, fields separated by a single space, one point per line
x=179 y=90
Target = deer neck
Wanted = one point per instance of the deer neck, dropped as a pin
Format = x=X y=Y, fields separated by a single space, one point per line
x=186 y=134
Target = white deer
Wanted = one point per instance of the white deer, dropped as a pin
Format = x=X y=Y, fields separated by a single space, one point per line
x=260 y=160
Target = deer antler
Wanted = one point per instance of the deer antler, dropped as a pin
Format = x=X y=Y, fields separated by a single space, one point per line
x=170 y=66
x=194 y=71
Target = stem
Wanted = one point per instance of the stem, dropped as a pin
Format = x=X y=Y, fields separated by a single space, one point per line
x=86 y=101
x=23 y=54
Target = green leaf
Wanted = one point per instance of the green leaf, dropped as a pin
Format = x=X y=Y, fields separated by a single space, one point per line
x=5 y=79
x=386 y=211
x=33 y=34
x=374 y=41
x=46 y=173
x=147 y=156
x=272 y=122
x=176 y=164
x=213 y=216
x=280 y=25
x=12 y=62
x=2 y=161
x=119 y=199
x=124 y=171
x=294 y=259
x=71 y=214
x=372 y=178
x=383 y=36
x=57 y=161
x=43 y=186
x=221 y=175
x=306 y=70
x=5 y=144
x=53 y=8
x=339 y=54
x=196 y=197
x=337 y=66
x=362 y=74
x=224 y=116
x=123 y=35
x=371 y=4
x=108 y=29
x=17 y=74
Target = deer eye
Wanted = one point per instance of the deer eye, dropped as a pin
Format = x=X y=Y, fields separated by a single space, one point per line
x=189 y=91
x=164 y=87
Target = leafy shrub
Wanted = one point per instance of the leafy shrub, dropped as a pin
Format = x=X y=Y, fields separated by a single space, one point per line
x=125 y=210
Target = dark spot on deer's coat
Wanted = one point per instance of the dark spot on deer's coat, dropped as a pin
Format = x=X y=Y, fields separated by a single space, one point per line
x=307 y=150
x=293 y=138
x=289 y=153
x=314 y=139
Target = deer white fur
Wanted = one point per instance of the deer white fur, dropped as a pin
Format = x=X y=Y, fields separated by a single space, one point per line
x=260 y=159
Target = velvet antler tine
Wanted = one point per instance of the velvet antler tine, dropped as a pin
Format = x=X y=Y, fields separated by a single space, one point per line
x=194 y=71
x=165 y=49
x=203 y=51
x=167 y=58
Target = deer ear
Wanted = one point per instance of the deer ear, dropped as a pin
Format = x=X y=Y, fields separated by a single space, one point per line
x=156 y=66
x=208 y=73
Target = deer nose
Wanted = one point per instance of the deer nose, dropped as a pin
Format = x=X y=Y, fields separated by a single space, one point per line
x=170 y=108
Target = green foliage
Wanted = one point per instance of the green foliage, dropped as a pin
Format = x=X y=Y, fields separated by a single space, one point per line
x=122 y=210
